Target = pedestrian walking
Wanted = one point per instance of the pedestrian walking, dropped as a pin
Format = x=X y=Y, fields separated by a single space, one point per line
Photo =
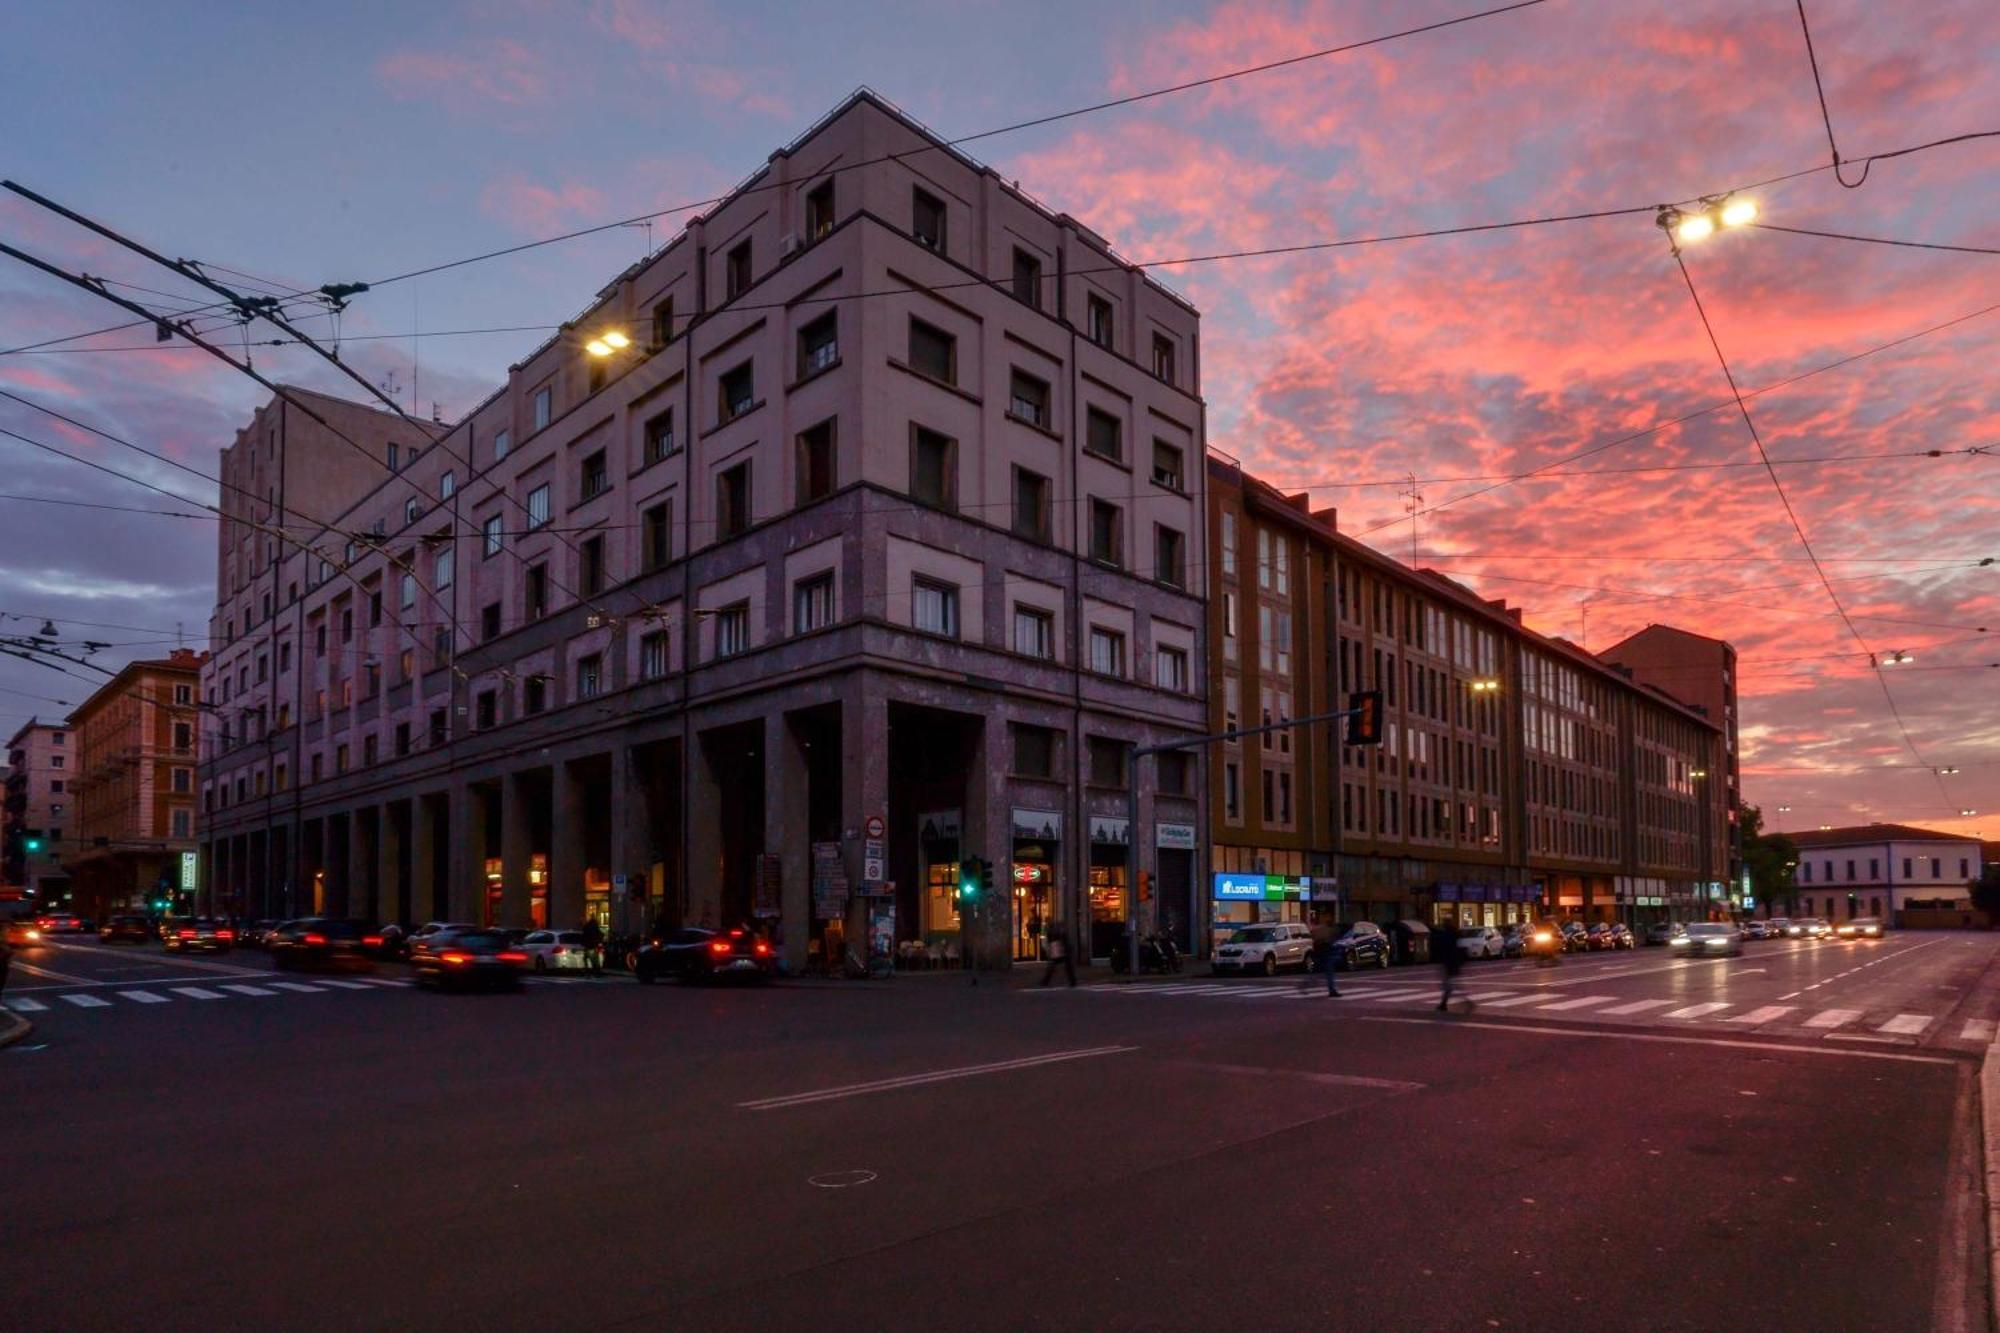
x=1449 y=961
x=1324 y=956
x=1058 y=957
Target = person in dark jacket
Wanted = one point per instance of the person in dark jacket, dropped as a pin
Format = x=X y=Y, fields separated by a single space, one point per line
x=1059 y=957
x=1444 y=942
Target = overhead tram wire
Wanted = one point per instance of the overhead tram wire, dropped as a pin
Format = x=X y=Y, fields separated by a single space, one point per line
x=1798 y=527
x=1878 y=240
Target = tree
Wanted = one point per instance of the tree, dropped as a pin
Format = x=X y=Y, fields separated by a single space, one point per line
x=1770 y=858
x=1986 y=892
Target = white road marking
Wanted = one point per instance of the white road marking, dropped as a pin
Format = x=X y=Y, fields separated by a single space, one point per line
x=1314 y=1076
x=1492 y=997
x=87 y=1002
x=143 y=997
x=1519 y=999
x=1637 y=1006
x=1580 y=1002
x=1906 y=1025
x=48 y=972
x=1697 y=1010
x=1979 y=1030
x=1832 y=1018
x=242 y=989
x=21 y=1004
x=1764 y=1015
x=198 y=992
x=1396 y=995
x=1606 y=1034
x=298 y=986
x=919 y=1080
x=344 y=985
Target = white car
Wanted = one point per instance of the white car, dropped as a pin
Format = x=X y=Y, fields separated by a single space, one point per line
x=420 y=938
x=1265 y=949
x=1482 y=942
x=560 y=950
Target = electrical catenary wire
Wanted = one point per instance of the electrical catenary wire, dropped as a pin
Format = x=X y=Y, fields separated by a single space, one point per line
x=1878 y=240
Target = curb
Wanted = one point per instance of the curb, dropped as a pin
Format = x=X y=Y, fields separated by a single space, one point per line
x=13 y=1028
x=1989 y=1107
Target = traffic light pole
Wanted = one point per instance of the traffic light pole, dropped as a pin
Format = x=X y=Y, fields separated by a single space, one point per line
x=1365 y=708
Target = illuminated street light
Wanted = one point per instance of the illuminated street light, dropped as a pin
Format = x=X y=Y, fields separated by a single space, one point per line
x=608 y=342
x=1737 y=212
x=1485 y=685
x=1968 y=813
x=1898 y=658
x=1946 y=772
x=1695 y=227
x=1784 y=809
x=1708 y=217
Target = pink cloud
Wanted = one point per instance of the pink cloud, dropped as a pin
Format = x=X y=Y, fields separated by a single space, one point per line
x=496 y=71
x=537 y=209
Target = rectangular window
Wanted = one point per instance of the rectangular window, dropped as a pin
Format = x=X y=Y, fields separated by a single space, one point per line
x=538 y=506
x=486 y=709
x=738 y=391
x=933 y=352
x=653 y=655
x=1228 y=544
x=736 y=278
x=370 y=750
x=183 y=779
x=1103 y=435
x=1169 y=558
x=402 y=739
x=590 y=676
x=590 y=559
x=814 y=463
x=1170 y=669
x=438 y=729
x=1034 y=633
x=596 y=476
x=1027 y=278
x=819 y=345
x=656 y=527
x=545 y=402
x=444 y=567
x=413 y=509
x=340 y=753
x=493 y=530
x=732 y=630
x=1100 y=320
x=819 y=210
x=1107 y=652
x=732 y=501
x=395 y=456
x=1031 y=505
x=183 y=823
x=1028 y=399
x=500 y=444
x=933 y=467
x=927 y=219
x=934 y=607
x=1107 y=762
x=538 y=592
x=1168 y=467
x=812 y=603
x=1163 y=357
x=1175 y=769
x=663 y=322
x=1107 y=533
x=659 y=438
x=1034 y=751
x=1232 y=790
x=535 y=694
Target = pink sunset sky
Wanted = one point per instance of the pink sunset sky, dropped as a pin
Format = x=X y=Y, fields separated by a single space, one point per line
x=307 y=148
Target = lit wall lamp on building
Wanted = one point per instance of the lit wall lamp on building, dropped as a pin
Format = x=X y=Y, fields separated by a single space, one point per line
x=1484 y=685
x=608 y=342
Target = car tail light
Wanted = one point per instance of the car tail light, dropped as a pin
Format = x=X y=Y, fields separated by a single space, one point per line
x=454 y=958
x=225 y=934
x=314 y=939
x=761 y=949
x=511 y=956
x=719 y=946
x=186 y=934
x=371 y=941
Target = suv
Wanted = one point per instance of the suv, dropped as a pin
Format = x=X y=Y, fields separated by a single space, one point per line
x=1265 y=948
x=1360 y=944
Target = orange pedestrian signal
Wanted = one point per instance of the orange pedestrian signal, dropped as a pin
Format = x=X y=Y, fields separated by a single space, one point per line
x=1145 y=886
x=1364 y=717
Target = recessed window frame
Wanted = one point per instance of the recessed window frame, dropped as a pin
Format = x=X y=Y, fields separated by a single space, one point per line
x=925 y=440
x=934 y=606
x=933 y=352
x=816 y=461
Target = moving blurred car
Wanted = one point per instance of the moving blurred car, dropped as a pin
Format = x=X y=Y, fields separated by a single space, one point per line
x=1481 y=942
x=1815 y=928
x=391 y=941
x=1708 y=939
x=320 y=943
x=1599 y=936
x=1360 y=944
x=696 y=953
x=469 y=959
x=1265 y=949
x=126 y=929
x=1779 y=927
x=562 y=951
x=1621 y=936
x=1515 y=942
x=1661 y=932
x=1861 y=927
x=1545 y=941
x=1757 y=930
x=60 y=923
x=421 y=938
x=199 y=932
x=23 y=930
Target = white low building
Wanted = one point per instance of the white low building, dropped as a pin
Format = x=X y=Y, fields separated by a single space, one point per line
x=1883 y=869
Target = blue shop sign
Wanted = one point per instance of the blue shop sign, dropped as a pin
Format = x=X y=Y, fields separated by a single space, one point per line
x=1237 y=887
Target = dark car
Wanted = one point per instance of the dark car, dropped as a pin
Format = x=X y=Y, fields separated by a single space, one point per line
x=126 y=929
x=696 y=953
x=320 y=943
x=1360 y=944
x=257 y=934
x=60 y=923
x=1515 y=943
x=470 y=959
x=199 y=932
x=1598 y=936
x=1575 y=938
x=1622 y=937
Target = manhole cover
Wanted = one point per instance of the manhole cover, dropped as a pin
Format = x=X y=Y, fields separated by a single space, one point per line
x=840 y=1180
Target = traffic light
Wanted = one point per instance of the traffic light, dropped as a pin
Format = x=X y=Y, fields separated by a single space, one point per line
x=34 y=844
x=972 y=876
x=1364 y=717
x=1145 y=886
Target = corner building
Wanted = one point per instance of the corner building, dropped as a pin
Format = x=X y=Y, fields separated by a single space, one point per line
x=866 y=537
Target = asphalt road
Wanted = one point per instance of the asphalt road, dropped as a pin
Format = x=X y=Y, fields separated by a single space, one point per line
x=1161 y=1154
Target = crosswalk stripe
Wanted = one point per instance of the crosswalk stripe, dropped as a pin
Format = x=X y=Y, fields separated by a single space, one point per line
x=1580 y=1002
x=1906 y=1025
x=87 y=1001
x=1530 y=998
x=344 y=985
x=21 y=1004
x=1393 y=996
x=298 y=986
x=1832 y=1018
x=1764 y=1015
x=1697 y=1010
x=387 y=981
x=1977 y=1029
x=1637 y=1006
x=1489 y=997
x=242 y=988
x=198 y=992
x=143 y=997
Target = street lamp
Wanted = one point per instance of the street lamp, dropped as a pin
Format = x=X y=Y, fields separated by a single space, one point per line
x=1968 y=813
x=604 y=344
x=1898 y=658
x=1711 y=215
x=1946 y=772
x=1484 y=685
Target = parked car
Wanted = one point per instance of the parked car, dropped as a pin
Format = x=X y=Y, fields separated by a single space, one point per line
x=126 y=929
x=1662 y=932
x=1360 y=944
x=1861 y=928
x=60 y=923
x=1267 y=949
x=561 y=951
x=469 y=959
x=1481 y=942
x=200 y=932
x=257 y=934
x=1575 y=938
x=1708 y=939
x=1598 y=936
x=696 y=953
x=1515 y=942
x=1621 y=936
x=1757 y=930
x=320 y=943
x=421 y=938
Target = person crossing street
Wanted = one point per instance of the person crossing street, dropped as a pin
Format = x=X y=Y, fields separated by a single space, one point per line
x=1444 y=942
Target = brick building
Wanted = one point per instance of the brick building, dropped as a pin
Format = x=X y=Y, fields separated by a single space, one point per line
x=135 y=741
x=40 y=813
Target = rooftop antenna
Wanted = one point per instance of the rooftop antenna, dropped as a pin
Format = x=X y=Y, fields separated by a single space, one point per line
x=391 y=384
x=416 y=346
x=647 y=223
x=1413 y=500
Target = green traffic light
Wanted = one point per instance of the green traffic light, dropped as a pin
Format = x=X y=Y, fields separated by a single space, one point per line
x=34 y=844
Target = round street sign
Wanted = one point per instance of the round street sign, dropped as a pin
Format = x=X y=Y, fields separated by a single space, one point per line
x=876 y=826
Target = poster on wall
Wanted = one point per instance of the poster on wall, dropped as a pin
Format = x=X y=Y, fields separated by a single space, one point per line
x=829 y=882
x=1038 y=825
x=1110 y=831
x=881 y=932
